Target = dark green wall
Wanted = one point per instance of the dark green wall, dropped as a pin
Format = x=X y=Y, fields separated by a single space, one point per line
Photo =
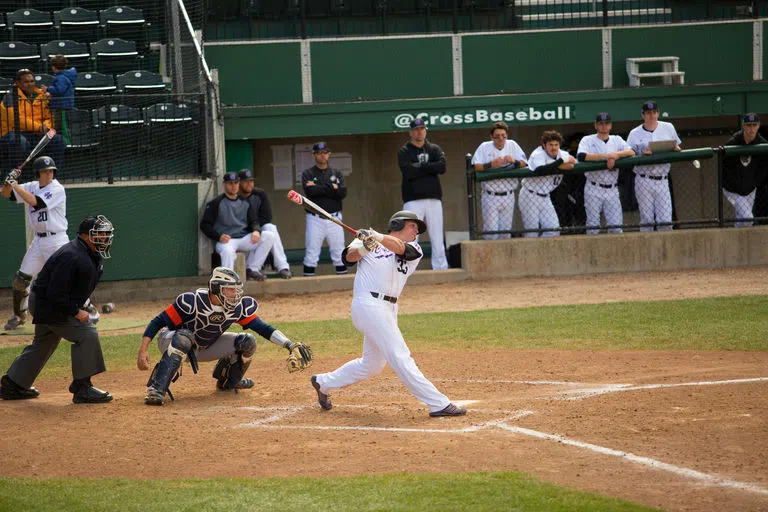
x=529 y=62
x=14 y=243
x=257 y=74
x=708 y=53
x=381 y=69
x=239 y=155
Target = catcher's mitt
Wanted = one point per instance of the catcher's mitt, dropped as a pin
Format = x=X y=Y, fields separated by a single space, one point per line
x=299 y=356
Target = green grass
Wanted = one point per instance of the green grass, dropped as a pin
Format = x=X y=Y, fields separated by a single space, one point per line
x=730 y=323
x=471 y=492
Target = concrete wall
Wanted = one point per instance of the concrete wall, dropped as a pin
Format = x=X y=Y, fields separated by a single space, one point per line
x=628 y=252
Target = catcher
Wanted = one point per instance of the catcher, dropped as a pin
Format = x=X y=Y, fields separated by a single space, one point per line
x=194 y=327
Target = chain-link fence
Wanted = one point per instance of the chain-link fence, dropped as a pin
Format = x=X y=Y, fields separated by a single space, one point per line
x=663 y=191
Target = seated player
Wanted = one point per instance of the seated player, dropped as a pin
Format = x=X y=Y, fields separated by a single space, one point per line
x=195 y=326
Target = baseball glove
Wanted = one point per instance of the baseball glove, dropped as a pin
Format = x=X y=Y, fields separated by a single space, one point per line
x=299 y=356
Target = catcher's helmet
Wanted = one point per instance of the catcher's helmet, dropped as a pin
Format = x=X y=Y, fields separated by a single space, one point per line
x=100 y=232
x=397 y=221
x=226 y=286
x=43 y=163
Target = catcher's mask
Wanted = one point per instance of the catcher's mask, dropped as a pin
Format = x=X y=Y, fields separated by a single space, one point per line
x=397 y=221
x=43 y=163
x=226 y=286
x=100 y=232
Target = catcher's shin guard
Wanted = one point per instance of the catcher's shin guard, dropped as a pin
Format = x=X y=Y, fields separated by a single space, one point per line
x=21 y=282
x=167 y=370
x=228 y=374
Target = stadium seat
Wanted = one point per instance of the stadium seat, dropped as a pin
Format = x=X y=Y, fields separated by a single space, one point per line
x=76 y=53
x=77 y=24
x=122 y=126
x=15 y=55
x=140 y=88
x=92 y=89
x=5 y=85
x=43 y=79
x=179 y=123
x=83 y=142
x=30 y=25
x=114 y=55
x=125 y=23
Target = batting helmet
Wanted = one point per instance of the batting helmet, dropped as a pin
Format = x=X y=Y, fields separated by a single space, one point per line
x=43 y=163
x=397 y=221
x=226 y=286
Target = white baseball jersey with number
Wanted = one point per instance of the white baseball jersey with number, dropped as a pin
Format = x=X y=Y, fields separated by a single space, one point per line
x=48 y=223
x=498 y=196
x=543 y=184
x=601 y=191
x=384 y=273
x=638 y=140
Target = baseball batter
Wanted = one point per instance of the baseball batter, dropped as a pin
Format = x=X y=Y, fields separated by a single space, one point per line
x=386 y=262
x=601 y=191
x=46 y=204
x=195 y=327
x=535 y=202
x=325 y=186
x=498 y=195
x=652 y=181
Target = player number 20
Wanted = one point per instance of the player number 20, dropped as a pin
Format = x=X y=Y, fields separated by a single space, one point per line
x=42 y=216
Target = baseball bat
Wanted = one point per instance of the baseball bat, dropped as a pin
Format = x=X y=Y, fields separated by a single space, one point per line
x=40 y=146
x=301 y=200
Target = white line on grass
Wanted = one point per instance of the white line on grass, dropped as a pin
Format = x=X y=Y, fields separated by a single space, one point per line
x=705 y=478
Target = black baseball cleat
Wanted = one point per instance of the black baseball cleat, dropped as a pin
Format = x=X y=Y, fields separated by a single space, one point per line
x=342 y=269
x=323 y=399
x=285 y=273
x=154 y=397
x=14 y=323
x=245 y=383
x=309 y=271
x=449 y=410
x=254 y=275
x=9 y=390
x=91 y=395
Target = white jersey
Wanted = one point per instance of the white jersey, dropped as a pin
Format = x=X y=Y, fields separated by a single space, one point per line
x=51 y=218
x=638 y=140
x=487 y=152
x=543 y=184
x=594 y=144
x=382 y=271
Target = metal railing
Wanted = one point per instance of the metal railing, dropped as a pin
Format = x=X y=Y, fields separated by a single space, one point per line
x=694 y=196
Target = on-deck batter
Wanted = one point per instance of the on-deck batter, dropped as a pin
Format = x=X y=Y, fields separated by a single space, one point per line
x=46 y=203
x=386 y=261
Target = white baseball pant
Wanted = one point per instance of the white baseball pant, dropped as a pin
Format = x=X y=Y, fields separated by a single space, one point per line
x=383 y=344
x=654 y=202
x=318 y=229
x=538 y=212
x=278 y=252
x=257 y=252
x=600 y=199
x=431 y=212
x=498 y=213
x=40 y=250
x=743 y=206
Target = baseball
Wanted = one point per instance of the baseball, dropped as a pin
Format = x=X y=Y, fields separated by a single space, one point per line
x=665 y=114
x=696 y=164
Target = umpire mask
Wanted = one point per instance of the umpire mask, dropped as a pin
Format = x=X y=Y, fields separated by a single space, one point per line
x=100 y=233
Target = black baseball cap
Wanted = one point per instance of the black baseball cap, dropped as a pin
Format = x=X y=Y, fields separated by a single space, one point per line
x=231 y=176
x=87 y=224
x=245 y=174
x=650 y=105
x=321 y=147
x=603 y=116
x=750 y=118
x=418 y=123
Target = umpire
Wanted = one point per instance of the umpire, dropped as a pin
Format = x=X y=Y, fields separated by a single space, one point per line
x=58 y=297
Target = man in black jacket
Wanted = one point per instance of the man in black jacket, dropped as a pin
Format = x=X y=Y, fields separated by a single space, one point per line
x=743 y=174
x=230 y=221
x=58 y=300
x=422 y=163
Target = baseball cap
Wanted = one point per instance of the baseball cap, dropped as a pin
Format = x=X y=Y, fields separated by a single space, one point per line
x=750 y=118
x=418 y=123
x=231 y=176
x=650 y=105
x=603 y=116
x=245 y=174
x=321 y=147
x=88 y=224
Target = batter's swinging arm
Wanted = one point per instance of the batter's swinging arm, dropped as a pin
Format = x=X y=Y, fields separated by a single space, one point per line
x=301 y=200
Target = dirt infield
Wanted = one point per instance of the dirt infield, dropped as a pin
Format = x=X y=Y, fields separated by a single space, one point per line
x=680 y=430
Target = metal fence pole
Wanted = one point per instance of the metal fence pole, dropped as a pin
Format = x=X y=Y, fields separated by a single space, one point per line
x=720 y=157
x=470 y=174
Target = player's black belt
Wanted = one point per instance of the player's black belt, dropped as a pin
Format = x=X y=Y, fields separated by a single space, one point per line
x=335 y=214
x=603 y=185
x=44 y=234
x=492 y=193
x=657 y=178
x=387 y=298
x=537 y=193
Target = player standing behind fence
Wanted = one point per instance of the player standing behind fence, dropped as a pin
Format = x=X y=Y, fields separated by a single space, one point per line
x=742 y=174
x=652 y=181
x=46 y=203
x=535 y=201
x=325 y=186
x=421 y=163
x=386 y=262
x=498 y=195
x=601 y=191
